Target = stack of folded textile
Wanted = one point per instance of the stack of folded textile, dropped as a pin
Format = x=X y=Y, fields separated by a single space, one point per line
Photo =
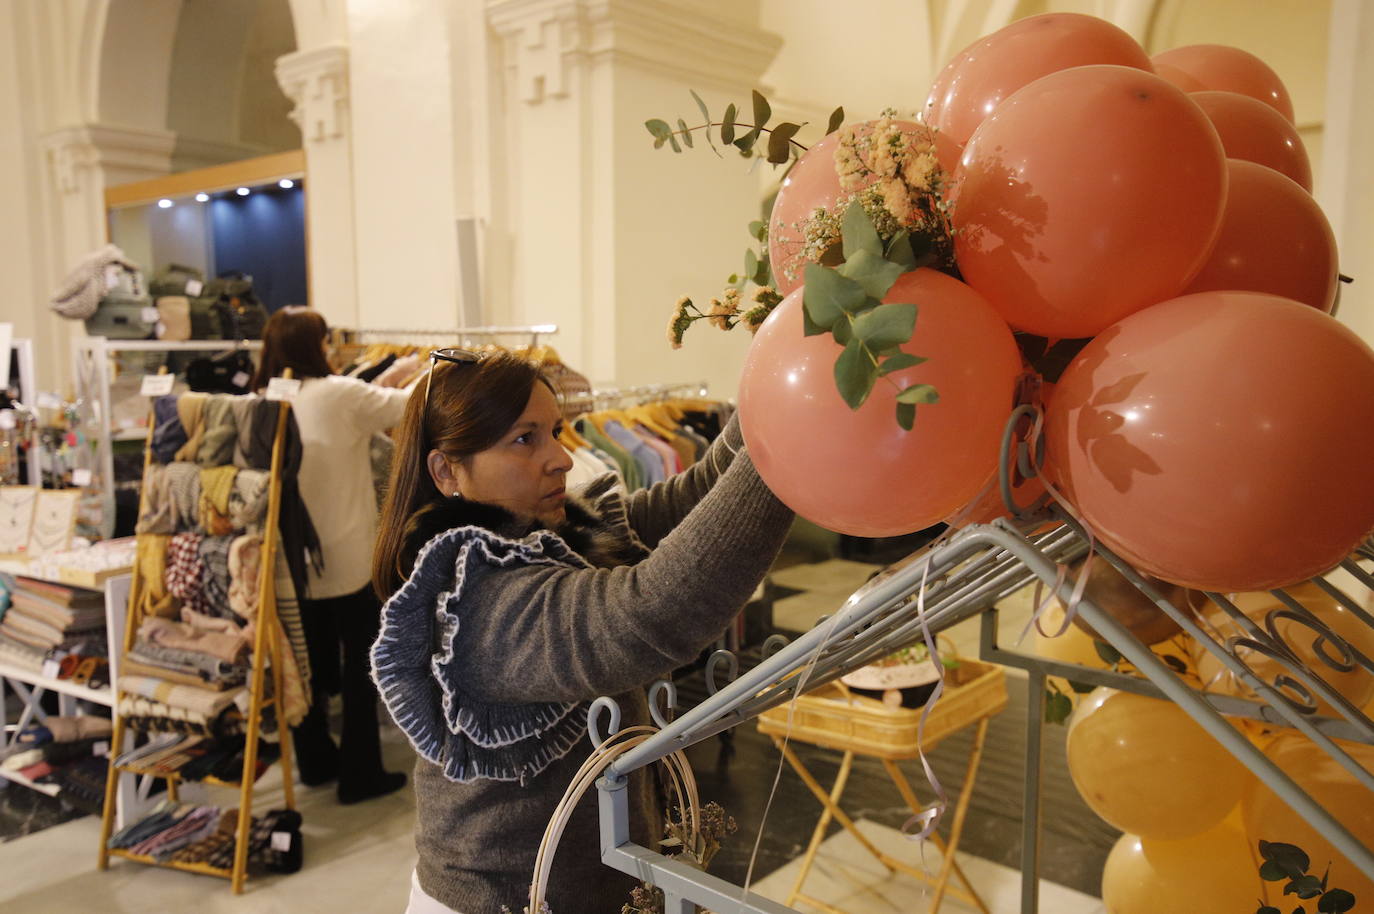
x=50 y=753
x=49 y=620
x=206 y=834
x=194 y=758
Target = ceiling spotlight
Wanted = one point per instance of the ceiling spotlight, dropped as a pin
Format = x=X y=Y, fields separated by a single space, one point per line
x=164 y=203
x=286 y=184
x=202 y=197
x=242 y=191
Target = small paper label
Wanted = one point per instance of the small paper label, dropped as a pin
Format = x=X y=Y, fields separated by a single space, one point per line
x=160 y=330
x=51 y=668
x=281 y=841
x=193 y=287
x=149 y=315
x=156 y=385
x=240 y=379
x=111 y=276
x=7 y=418
x=101 y=749
x=81 y=477
x=283 y=389
x=48 y=400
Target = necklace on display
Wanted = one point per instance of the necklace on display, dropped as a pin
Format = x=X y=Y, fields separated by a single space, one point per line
x=16 y=517
x=54 y=518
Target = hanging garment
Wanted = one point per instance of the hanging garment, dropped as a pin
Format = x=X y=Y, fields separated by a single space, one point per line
x=184 y=570
x=629 y=467
x=248 y=500
x=216 y=489
x=214 y=557
x=169 y=435
x=671 y=465
x=651 y=467
x=183 y=491
x=219 y=432
x=151 y=558
x=190 y=408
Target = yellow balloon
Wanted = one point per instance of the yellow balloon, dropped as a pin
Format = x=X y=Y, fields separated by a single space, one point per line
x=1146 y=767
x=1268 y=818
x=1211 y=871
x=1357 y=685
x=1074 y=646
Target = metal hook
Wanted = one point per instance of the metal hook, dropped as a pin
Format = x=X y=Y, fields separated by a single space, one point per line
x=658 y=688
x=716 y=658
x=611 y=705
x=772 y=644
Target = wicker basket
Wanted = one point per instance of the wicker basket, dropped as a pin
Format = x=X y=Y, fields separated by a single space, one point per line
x=834 y=717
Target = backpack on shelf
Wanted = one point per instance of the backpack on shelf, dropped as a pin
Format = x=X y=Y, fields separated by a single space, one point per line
x=125 y=311
x=240 y=314
x=176 y=279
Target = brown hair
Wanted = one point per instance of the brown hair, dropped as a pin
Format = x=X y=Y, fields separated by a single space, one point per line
x=471 y=406
x=293 y=338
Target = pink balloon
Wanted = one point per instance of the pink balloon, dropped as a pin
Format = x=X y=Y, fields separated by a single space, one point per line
x=1177 y=77
x=812 y=184
x=1253 y=131
x=857 y=471
x=1228 y=69
x=1089 y=194
x=1274 y=238
x=1220 y=440
x=981 y=76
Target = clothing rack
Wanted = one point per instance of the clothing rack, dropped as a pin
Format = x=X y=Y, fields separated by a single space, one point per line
x=604 y=397
x=533 y=331
x=267 y=642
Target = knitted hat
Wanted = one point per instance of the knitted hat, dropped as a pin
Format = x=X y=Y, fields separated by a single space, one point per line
x=80 y=293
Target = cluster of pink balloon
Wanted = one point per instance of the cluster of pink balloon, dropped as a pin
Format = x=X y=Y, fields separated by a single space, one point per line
x=1216 y=430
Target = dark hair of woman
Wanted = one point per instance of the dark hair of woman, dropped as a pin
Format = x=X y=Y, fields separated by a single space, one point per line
x=293 y=338
x=471 y=405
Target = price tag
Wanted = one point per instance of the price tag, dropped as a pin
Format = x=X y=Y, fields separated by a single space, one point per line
x=7 y=418
x=149 y=315
x=283 y=389
x=193 y=287
x=240 y=379
x=51 y=668
x=48 y=400
x=281 y=841
x=157 y=385
x=101 y=749
x=81 y=477
x=111 y=275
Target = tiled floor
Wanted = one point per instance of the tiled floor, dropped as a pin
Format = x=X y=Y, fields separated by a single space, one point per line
x=359 y=858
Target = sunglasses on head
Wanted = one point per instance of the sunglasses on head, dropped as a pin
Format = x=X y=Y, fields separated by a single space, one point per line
x=456 y=356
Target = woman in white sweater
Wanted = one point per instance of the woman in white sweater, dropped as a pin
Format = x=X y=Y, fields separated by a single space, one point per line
x=337 y=417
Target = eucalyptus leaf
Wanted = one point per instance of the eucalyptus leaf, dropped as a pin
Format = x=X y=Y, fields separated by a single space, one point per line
x=1058 y=707
x=1108 y=653
x=1082 y=688
x=886 y=325
x=751 y=263
x=843 y=331
x=706 y=119
x=836 y=119
x=758 y=229
x=780 y=142
x=919 y=393
x=855 y=374
x=1272 y=872
x=1292 y=858
x=906 y=415
x=1268 y=909
x=659 y=128
x=859 y=234
x=899 y=250
x=810 y=327
x=764 y=274
x=1306 y=886
x=1336 y=901
x=828 y=295
x=727 y=125
x=872 y=272
x=672 y=141
x=899 y=362
x=686 y=133
x=762 y=110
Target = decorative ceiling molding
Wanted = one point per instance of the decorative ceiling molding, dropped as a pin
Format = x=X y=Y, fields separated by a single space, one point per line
x=544 y=39
x=133 y=152
x=316 y=81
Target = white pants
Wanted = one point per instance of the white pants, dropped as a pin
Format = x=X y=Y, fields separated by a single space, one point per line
x=420 y=903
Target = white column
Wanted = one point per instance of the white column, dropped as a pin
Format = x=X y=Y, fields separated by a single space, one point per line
x=594 y=229
x=1344 y=189
x=316 y=80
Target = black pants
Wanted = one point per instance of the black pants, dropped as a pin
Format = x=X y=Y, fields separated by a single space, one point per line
x=341 y=629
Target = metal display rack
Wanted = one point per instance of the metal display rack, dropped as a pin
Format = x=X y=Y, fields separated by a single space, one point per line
x=964 y=576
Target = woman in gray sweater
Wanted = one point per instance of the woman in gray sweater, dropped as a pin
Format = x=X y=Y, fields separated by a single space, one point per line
x=512 y=604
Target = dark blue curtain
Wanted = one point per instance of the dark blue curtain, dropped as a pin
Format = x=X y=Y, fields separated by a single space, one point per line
x=263 y=235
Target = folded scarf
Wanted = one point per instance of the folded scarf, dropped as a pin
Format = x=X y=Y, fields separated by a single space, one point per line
x=216 y=487
x=151 y=559
x=190 y=407
x=214 y=557
x=248 y=500
x=245 y=555
x=196 y=701
x=169 y=435
x=87 y=726
x=159 y=512
x=167 y=633
x=183 y=489
x=185 y=570
x=219 y=431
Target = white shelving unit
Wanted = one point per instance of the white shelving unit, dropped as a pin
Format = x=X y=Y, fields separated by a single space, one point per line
x=30 y=687
x=91 y=367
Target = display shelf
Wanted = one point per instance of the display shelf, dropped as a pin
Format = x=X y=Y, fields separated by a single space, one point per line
x=101 y=696
x=204 y=869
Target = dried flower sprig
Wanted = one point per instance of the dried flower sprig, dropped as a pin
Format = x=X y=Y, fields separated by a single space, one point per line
x=715 y=827
x=724 y=313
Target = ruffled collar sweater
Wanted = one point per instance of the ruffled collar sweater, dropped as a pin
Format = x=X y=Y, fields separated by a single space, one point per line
x=504 y=632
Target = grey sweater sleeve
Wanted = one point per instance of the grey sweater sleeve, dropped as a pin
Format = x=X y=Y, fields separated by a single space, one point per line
x=553 y=633
x=655 y=511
